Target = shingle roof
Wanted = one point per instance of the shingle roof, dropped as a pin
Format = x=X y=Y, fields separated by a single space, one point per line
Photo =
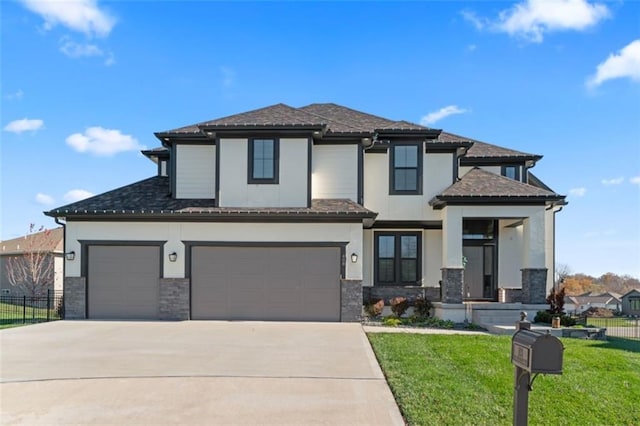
x=332 y=117
x=150 y=197
x=479 y=184
x=485 y=150
x=38 y=241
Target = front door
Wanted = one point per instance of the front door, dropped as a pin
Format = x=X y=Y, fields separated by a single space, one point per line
x=479 y=275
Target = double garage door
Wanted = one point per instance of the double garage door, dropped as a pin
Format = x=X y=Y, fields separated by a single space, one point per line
x=230 y=283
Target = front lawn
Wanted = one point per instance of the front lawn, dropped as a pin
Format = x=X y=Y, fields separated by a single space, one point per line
x=468 y=380
x=14 y=315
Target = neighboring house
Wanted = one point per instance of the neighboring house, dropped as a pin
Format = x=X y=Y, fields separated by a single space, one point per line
x=50 y=243
x=579 y=304
x=631 y=303
x=293 y=213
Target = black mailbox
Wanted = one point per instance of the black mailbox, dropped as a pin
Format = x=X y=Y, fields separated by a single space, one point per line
x=537 y=352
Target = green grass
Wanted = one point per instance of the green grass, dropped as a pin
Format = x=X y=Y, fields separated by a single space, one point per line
x=12 y=315
x=468 y=380
x=613 y=322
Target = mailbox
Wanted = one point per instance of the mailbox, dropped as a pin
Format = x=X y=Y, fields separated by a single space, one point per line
x=537 y=352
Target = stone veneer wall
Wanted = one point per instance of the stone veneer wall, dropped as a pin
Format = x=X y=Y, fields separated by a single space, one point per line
x=350 y=300
x=174 y=298
x=452 y=284
x=509 y=295
x=534 y=285
x=75 y=297
x=386 y=293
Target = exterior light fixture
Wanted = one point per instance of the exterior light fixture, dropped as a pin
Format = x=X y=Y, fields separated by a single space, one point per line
x=70 y=256
x=354 y=258
x=173 y=256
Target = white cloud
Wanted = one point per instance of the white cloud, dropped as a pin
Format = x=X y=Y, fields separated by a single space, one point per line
x=475 y=20
x=531 y=19
x=77 y=195
x=15 y=96
x=635 y=180
x=578 y=192
x=432 y=117
x=24 y=125
x=83 y=16
x=614 y=181
x=76 y=50
x=103 y=142
x=625 y=63
x=44 y=199
x=471 y=47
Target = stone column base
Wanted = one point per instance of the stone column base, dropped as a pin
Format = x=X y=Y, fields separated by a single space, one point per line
x=350 y=300
x=534 y=285
x=174 y=299
x=75 y=298
x=452 y=285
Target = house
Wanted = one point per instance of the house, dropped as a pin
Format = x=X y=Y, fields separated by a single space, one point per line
x=631 y=303
x=289 y=213
x=579 y=304
x=40 y=251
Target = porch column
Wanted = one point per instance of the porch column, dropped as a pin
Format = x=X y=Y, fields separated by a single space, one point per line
x=534 y=271
x=452 y=268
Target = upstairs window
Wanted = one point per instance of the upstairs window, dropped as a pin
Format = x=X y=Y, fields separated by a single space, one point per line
x=512 y=172
x=397 y=258
x=263 y=161
x=406 y=170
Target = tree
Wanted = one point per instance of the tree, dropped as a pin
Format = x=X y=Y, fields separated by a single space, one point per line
x=563 y=271
x=33 y=270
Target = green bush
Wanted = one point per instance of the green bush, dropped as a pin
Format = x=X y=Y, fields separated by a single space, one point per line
x=422 y=307
x=391 y=321
x=546 y=317
x=399 y=305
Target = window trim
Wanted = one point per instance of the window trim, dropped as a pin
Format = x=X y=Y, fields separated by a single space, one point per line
x=397 y=258
x=392 y=169
x=517 y=167
x=276 y=162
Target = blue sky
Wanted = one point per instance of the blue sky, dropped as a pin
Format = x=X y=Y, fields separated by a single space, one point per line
x=85 y=84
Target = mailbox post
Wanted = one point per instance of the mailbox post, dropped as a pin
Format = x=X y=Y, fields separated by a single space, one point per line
x=531 y=353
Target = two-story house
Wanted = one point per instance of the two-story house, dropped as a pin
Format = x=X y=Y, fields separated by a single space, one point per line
x=286 y=213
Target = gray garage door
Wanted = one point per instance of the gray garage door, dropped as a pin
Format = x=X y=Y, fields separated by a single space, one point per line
x=265 y=283
x=122 y=282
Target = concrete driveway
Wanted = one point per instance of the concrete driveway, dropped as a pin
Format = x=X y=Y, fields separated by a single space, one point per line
x=192 y=372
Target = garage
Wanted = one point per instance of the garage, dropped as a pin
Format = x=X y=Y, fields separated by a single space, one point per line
x=265 y=283
x=122 y=282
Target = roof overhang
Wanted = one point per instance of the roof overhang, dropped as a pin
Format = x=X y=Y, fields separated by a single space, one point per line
x=439 y=201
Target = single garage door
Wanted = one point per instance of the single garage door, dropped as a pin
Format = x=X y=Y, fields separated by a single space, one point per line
x=122 y=282
x=265 y=283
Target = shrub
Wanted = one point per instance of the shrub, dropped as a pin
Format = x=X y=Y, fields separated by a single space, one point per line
x=399 y=305
x=556 y=301
x=422 y=307
x=374 y=309
x=391 y=321
x=546 y=317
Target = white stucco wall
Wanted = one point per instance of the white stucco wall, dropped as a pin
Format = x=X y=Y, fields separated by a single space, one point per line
x=509 y=255
x=58 y=273
x=437 y=174
x=195 y=171
x=174 y=233
x=291 y=191
x=432 y=254
x=367 y=262
x=335 y=171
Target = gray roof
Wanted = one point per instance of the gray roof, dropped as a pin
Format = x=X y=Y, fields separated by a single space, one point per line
x=481 y=149
x=331 y=117
x=150 y=197
x=479 y=184
x=48 y=240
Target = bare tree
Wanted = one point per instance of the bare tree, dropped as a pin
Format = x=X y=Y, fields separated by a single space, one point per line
x=33 y=270
x=563 y=271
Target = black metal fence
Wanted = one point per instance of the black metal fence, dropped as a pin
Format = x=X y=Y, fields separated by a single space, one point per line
x=28 y=309
x=625 y=327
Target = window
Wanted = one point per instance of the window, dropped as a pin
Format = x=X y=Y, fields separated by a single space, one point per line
x=263 y=161
x=512 y=172
x=406 y=170
x=397 y=258
x=478 y=229
x=634 y=303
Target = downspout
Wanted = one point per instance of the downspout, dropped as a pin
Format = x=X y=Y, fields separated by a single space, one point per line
x=64 y=261
x=553 y=255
